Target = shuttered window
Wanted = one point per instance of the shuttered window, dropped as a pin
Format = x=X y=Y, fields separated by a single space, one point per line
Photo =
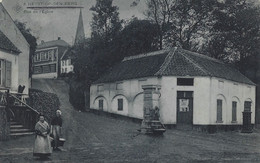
x=1 y=72
x=234 y=111
x=5 y=73
x=219 y=110
x=120 y=104
x=53 y=67
x=8 y=73
x=100 y=104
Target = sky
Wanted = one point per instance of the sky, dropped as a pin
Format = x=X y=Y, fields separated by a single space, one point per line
x=49 y=24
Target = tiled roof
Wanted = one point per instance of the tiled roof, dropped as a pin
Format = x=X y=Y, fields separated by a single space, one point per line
x=52 y=44
x=131 y=68
x=6 y=44
x=175 y=62
x=68 y=54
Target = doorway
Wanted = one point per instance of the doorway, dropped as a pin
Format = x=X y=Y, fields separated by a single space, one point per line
x=185 y=107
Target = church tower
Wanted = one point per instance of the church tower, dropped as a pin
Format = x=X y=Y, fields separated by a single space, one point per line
x=80 y=34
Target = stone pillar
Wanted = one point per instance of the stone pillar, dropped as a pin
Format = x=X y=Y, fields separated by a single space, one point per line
x=4 y=124
x=151 y=100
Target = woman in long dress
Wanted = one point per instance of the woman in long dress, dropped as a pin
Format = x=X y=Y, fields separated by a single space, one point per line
x=42 y=145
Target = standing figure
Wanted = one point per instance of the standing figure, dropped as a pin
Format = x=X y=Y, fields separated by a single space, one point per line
x=56 y=125
x=42 y=145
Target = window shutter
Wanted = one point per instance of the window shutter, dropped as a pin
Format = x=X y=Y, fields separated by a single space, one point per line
x=219 y=110
x=234 y=111
x=101 y=105
x=120 y=104
x=8 y=73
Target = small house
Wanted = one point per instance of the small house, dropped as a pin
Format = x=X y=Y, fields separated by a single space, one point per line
x=194 y=89
x=14 y=55
x=67 y=60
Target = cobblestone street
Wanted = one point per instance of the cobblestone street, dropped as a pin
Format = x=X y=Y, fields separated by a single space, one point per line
x=99 y=138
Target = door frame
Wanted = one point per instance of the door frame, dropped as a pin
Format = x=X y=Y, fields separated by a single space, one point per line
x=186 y=95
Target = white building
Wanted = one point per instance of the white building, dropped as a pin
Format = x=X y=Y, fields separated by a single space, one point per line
x=14 y=55
x=195 y=89
x=67 y=61
x=47 y=57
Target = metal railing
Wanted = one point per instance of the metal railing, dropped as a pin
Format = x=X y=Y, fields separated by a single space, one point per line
x=18 y=109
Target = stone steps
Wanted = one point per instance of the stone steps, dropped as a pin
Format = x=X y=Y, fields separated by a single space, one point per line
x=17 y=130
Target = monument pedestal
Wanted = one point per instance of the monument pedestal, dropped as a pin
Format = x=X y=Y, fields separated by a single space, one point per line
x=151 y=123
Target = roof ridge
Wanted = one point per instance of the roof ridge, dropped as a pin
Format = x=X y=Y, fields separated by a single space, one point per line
x=196 y=64
x=204 y=56
x=166 y=62
x=145 y=55
x=64 y=54
x=52 y=41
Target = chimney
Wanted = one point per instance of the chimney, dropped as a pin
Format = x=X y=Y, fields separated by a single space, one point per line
x=58 y=38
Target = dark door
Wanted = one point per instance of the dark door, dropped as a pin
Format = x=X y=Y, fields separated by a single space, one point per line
x=184 y=107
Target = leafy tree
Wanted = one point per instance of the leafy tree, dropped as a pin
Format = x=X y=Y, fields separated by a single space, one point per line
x=30 y=39
x=237 y=32
x=105 y=22
x=138 y=36
x=181 y=22
x=160 y=11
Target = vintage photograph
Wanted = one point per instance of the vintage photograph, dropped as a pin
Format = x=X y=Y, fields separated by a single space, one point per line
x=129 y=81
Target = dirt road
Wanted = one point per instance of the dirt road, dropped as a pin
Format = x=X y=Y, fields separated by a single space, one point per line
x=95 y=138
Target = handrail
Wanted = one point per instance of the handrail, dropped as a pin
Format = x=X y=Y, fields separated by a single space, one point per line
x=24 y=104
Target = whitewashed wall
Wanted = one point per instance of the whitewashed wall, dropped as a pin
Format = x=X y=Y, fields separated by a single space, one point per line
x=8 y=27
x=67 y=64
x=14 y=71
x=229 y=91
x=200 y=100
x=131 y=93
x=206 y=92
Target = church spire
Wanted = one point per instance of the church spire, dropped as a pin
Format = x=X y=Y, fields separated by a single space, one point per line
x=80 y=34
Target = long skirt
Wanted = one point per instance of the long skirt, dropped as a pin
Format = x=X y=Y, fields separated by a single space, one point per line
x=42 y=146
x=56 y=130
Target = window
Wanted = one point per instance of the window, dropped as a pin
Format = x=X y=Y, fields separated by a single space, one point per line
x=120 y=104
x=46 y=69
x=45 y=56
x=37 y=69
x=53 y=67
x=1 y=70
x=219 y=110
x=69 y=62
x=37 y=57
x=55 y=55
x=65 y=70
x=100 y=104
x=52 y=54
x=234 y=111
x=185 y=81
x=5 y=73
x=49 y=55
